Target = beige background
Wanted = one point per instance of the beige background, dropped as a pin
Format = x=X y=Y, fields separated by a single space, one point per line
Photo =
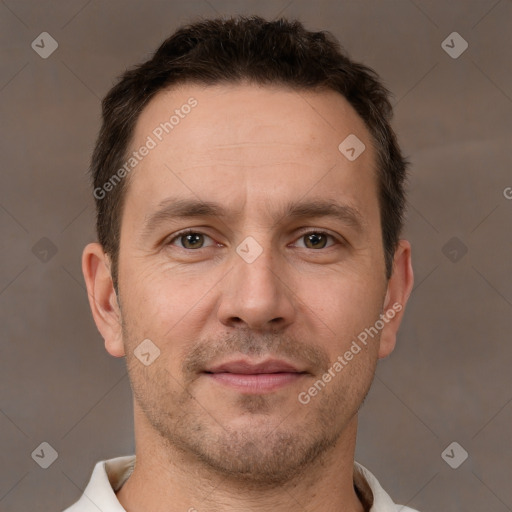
x=449 y=378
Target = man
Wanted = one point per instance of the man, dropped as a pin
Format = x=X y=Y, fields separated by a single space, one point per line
x=249 y=194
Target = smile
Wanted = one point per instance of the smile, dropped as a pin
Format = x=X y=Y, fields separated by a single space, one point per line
x=248 y=377
x=256 y=383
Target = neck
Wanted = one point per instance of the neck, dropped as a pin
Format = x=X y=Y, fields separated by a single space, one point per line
x=167 y=479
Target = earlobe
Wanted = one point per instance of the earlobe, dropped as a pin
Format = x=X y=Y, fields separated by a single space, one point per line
x=397 y=294
x=102 y=297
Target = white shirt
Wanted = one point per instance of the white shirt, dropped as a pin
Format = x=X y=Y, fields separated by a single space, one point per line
x=110 y=475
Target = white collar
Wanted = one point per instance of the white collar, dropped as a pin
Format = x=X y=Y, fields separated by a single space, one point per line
x=110 y=475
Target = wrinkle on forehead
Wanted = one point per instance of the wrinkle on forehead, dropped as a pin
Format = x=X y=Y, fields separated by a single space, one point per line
x=249 y=113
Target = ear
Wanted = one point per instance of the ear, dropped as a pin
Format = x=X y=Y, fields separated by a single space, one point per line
x=102 y=297
x=398 y=291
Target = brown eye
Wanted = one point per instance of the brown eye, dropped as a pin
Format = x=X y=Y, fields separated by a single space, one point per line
x=190 y=240
x=316 y=240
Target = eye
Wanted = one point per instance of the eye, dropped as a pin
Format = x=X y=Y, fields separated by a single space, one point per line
x=189 y=239
x=316 y=239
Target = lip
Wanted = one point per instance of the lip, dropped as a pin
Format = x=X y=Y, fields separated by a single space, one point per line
x=243 y=366
x=257 y=378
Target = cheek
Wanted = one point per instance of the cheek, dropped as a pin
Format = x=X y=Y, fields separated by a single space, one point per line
x=164 y=306
x=345 y=304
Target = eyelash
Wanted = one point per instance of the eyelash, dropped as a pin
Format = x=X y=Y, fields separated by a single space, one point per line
x=191 y=231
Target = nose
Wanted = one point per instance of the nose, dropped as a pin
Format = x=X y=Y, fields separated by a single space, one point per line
x=256 y=295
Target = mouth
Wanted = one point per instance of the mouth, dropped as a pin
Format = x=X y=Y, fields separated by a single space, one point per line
x=256 y=378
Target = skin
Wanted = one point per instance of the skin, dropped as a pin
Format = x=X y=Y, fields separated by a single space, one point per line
x=199 y=444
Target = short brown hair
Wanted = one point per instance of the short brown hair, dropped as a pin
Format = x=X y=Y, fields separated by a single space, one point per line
x=258 y=51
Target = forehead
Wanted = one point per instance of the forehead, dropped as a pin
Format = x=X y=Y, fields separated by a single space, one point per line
x=244 y=141
x=247 y=114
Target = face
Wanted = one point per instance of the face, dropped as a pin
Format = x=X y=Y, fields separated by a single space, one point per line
x=251 y=256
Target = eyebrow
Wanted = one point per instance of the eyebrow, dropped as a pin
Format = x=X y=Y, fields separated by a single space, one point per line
x=172 y=209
